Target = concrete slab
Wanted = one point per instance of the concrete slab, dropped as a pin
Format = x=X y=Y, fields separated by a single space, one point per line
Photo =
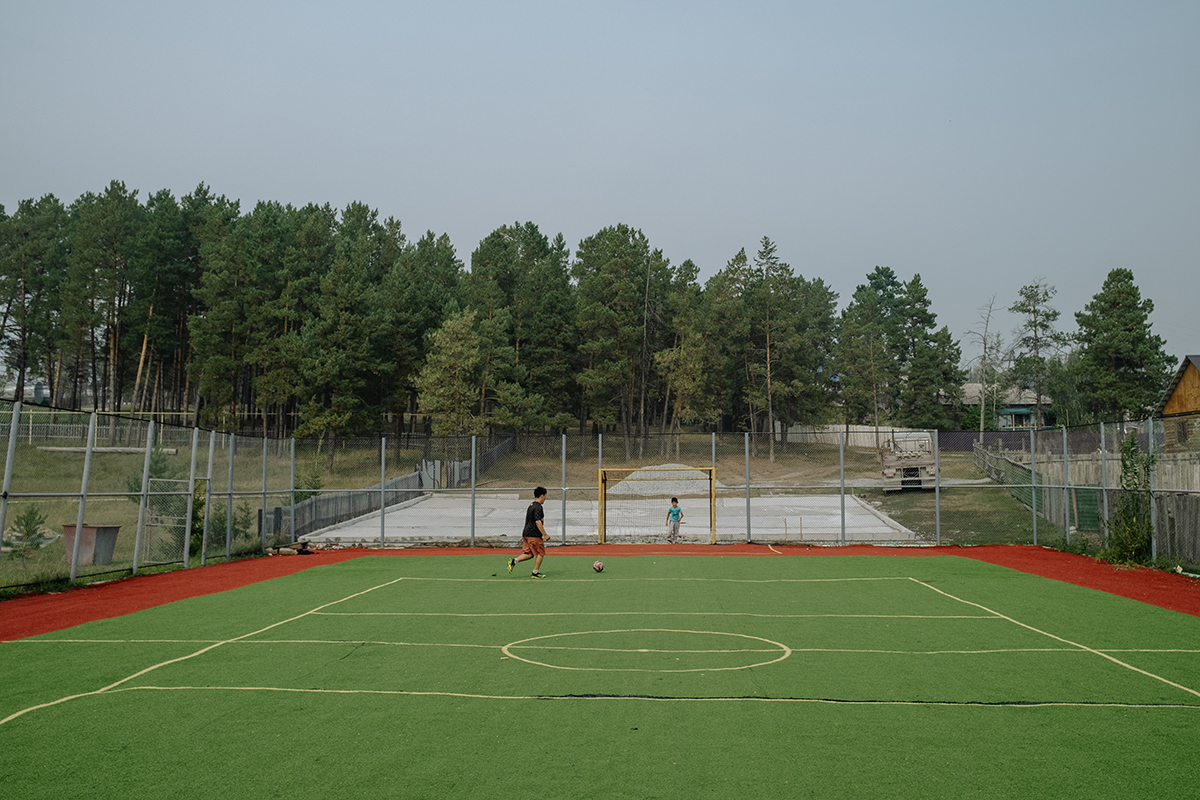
x=445 y=519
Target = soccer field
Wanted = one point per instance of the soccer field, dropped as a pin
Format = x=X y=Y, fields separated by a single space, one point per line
x=663 y=676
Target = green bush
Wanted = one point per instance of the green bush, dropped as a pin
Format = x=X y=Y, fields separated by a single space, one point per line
x=312 y=480
x=26 y=539
x=1079 y=544
x=218 y=525
x=1130 y=531
x=161 y=466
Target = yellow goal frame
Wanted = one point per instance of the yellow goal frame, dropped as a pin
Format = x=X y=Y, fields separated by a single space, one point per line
x=613 y=475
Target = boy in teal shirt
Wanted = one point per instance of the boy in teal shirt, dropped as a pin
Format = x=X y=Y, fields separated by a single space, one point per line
x=674 y=514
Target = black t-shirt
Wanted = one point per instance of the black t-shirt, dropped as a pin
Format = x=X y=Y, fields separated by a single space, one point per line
x=533 y=516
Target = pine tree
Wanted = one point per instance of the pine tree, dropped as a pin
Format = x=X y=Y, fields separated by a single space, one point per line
x=863 y=362
x=930 y=392
x=614 y=270
x=104 y=245
x=1123 y=368
x=33 y=251
x=1036 y=340
x=344 y=363
x=447 y=385
x=544 y=327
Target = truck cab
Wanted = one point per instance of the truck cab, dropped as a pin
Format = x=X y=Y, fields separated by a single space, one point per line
x=907 y=460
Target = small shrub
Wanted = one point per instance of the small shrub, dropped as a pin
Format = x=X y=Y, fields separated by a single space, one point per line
x=312 y=480
x=218 y=525
x=1079 y=544
x=26 y=539
x=1130 y=531
x=161 y=466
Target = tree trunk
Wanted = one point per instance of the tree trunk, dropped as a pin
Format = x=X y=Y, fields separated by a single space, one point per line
x=155 y=404
x=137 y=381
x=92 y=361
x=770 y=400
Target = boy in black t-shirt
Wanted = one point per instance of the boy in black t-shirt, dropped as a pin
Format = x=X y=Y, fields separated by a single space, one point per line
x=533 y=544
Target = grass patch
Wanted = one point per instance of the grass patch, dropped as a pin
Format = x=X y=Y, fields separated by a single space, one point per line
x=969 y=515
x=427 y=677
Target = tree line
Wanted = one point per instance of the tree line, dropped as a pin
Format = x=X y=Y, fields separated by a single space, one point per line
x=318 y=321
x=1111 y=368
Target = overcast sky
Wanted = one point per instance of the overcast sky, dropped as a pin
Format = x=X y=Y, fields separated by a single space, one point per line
x=982 y=145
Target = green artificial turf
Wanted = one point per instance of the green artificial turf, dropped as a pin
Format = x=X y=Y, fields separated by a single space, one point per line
x=661 y=677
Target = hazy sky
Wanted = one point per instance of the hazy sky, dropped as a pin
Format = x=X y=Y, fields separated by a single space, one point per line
x=982 y=145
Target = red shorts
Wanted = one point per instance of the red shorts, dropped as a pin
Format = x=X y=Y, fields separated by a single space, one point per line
x=533 y=545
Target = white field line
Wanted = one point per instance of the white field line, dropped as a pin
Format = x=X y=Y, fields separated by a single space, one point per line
x=644 y=698
x=201 y=651
x=864 y=651
x=1100 y=653
x=318 y=611
x=635 y=649
x=607 y=579
x=645 y=614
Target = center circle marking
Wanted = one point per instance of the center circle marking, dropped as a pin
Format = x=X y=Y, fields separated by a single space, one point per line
x=508 y=650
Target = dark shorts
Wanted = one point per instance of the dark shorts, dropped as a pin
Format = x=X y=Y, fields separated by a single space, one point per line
x=533 y=545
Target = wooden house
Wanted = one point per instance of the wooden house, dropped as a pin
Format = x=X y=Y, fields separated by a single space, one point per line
x=1011 y=408
x=1180 y=409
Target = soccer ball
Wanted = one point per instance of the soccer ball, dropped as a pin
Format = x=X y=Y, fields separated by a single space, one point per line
x=598 y=566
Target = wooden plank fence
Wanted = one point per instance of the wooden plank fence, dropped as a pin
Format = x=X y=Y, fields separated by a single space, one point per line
x=1177 y=513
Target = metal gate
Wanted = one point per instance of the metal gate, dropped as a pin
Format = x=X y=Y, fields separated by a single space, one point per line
x=165 y=540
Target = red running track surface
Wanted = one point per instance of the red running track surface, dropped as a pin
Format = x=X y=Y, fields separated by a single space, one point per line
x=34 y=614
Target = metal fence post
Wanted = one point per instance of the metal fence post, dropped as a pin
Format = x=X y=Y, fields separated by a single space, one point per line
x=474 y=453
x=1033 y=478
x=87 y=470
x=292 y=489
x=141 y=525
x=564 y=488
x=937 y=490
x=229 y=503
x=842 y=478
x=1104 y=482
x=1153 y=502
x=747 y=448
x=714 y=455
x=383 y=491
x=212 y=450
x=13 y=433
x=1066 y=487
x=262 y=526
x=191 y=500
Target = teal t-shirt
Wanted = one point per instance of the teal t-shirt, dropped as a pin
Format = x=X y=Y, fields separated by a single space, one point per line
x=674 y=513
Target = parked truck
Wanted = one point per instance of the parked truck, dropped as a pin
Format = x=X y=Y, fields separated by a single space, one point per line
x=907 y=459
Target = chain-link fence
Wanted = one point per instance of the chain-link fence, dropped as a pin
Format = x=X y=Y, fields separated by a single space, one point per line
x=166 y=495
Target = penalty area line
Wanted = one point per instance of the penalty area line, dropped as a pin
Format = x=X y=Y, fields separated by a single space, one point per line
x=1082 y=647
x=199 y=652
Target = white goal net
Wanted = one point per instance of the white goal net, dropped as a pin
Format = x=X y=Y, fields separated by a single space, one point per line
x=634 y=503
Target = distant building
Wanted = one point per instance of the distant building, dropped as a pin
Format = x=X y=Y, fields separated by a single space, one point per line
x=36 y=393
x=1015 y=407
x=1180 y=409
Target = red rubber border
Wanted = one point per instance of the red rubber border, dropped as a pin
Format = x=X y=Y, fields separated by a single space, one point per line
x=35 y=614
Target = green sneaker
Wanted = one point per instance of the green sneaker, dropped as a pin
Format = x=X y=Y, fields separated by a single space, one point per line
x=512 y=562
x=538 y=575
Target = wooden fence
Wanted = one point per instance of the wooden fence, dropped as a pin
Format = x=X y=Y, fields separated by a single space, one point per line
x=1081 y=503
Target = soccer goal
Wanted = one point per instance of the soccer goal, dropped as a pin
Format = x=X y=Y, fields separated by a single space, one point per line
x=634 y=502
